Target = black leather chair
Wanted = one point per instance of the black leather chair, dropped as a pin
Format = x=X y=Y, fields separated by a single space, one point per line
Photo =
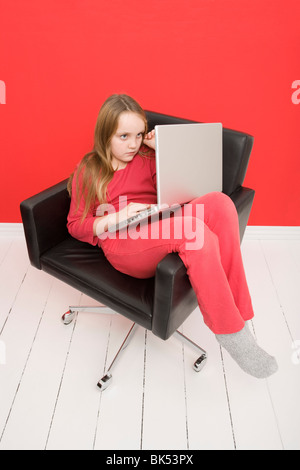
x=160 y=304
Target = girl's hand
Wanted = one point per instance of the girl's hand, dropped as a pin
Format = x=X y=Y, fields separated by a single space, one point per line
x=149 y=139
x=101 y=224
x=132 y=209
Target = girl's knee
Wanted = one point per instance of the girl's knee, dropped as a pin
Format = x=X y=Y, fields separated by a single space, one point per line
x=221 y=203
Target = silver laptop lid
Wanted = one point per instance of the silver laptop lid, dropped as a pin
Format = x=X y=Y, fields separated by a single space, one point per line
x=188 y=161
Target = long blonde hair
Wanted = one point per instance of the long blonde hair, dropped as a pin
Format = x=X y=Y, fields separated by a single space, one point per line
x=96 y=166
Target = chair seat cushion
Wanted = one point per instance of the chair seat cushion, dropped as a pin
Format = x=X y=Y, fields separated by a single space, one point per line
x=85 y=268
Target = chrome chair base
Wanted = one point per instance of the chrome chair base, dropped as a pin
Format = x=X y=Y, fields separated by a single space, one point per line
x=201 y=361
x=106 y=380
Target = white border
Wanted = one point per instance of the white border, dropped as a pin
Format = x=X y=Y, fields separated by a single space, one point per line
x=261 y=232
x=11 y=230
x=252 y=232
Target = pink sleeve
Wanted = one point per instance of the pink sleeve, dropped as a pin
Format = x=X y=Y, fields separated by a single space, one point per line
x=80 y=229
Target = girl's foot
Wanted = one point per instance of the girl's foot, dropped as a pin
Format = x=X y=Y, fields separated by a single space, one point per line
x=245 y=351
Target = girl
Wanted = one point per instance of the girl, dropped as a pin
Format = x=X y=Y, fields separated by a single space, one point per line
x=121 y=167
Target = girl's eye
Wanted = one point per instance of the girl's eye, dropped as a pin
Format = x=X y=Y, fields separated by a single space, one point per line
x=123 y=136
x=140 y=134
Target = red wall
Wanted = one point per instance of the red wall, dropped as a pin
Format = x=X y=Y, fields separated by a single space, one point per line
x=232 y=61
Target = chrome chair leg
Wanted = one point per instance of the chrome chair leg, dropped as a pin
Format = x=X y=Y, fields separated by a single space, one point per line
x=69 y=316
x=107 y=378
x=202 y=359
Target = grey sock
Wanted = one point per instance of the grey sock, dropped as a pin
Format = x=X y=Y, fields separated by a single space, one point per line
x=245 y=351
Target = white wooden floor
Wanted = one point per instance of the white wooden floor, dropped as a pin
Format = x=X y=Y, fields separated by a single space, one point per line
x=48 y=371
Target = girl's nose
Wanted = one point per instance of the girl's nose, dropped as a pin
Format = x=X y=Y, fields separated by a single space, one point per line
x=132 y=143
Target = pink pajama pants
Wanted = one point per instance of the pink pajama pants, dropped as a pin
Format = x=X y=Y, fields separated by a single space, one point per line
x=213 y=260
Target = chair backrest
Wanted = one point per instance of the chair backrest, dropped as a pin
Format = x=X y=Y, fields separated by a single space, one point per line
x=237 y=147
x=44 y=219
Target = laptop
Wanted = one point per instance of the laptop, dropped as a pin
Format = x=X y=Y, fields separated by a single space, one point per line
x=188 y=165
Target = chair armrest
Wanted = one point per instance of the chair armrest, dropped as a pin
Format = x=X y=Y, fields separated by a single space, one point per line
x=44 y=219
x=243 y=200
x=174 y=298
x=237 y=147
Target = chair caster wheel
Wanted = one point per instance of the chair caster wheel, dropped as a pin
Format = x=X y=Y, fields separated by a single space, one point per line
x=104 y=382
x=200 y=363
x=68 y=317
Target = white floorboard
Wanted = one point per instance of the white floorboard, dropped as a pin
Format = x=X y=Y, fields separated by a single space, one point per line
x=49 y=371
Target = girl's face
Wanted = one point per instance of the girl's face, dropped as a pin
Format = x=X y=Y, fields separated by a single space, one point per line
x=126 y=142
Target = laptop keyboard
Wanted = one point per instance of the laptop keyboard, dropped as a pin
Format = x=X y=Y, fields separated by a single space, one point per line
x=135 y=218
x=141 y=215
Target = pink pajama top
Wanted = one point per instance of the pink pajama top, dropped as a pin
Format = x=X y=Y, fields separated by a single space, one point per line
x=136 y=182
